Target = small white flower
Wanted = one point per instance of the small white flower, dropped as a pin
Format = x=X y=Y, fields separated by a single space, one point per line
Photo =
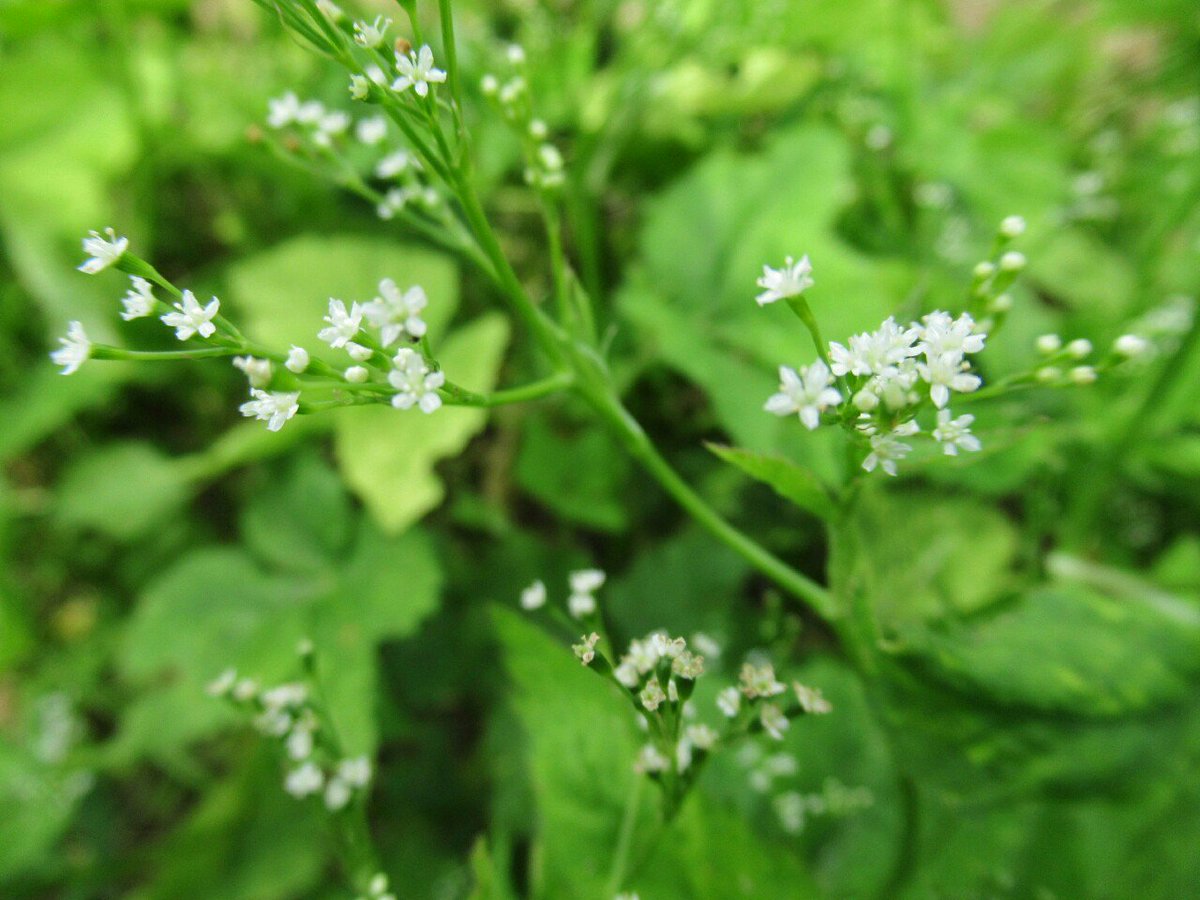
x=75 y=349
x=886 y=451
x=396 y=313
x=807 y=393
x=515 y=54
x=1130 y=346
x=489 y=85
x=946 y=373
x=414 y=383
x=774 y=722
x=331 y=9
x=371 y=131
x=944 y=335
x=585 y=650
x=310 y=112
x=283 y=111
x=1079 y=348
x=274 y=408
x=305 y=780
x=1082 y=375
x=360 y=87
x=650 y=760
x=355 y=771
x=191 y=318
x=297 y=360
x=285 y=696
x=417 y=72
x=337 y=794
x=358 y=352
x=790 y=281
x=955 y=433
x=1012 y=261
x=138 y=300
x=222 y=684
x=343 y=324
x=1048 y=344
x=1012 y=226
x=1001 y=304
x=760 y=681
x=538 y=130
x=729 y=701
x=300 y=742
x=258 y=371
x=245 y=689
x=371 y=35
x=983 y=271
x=103 y=253
x=534 y=596
x=811 y=701
x=1048 y=374
x=652 y=695
x=356 y=374
x=393 y=201
x=396 y=164
x=378 y=885
x=586 y=581
x=627 y=673
x=701 y=736
x=580 y=605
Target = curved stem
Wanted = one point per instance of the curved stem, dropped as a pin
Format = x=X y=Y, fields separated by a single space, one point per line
x=535 y=390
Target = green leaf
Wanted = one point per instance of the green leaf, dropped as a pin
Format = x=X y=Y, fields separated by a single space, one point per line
x=790 y=481
x=37 y=802
x=387 y=455
x=121 y=490
x=579 y=477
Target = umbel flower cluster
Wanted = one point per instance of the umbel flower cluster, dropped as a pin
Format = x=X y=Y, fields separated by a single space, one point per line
x=896 y=382
x=384 y=340
x=659 y=673
x=316 y=766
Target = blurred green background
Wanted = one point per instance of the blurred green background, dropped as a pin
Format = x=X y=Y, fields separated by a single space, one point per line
x=1026 y=723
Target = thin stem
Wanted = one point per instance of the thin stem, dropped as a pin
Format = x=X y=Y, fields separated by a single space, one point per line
x=620 y=862
x=102 y=351
x=535 y=390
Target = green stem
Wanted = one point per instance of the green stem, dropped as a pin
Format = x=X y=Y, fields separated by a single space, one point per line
x=103 y=351
x=620 y=862
x=535 y=390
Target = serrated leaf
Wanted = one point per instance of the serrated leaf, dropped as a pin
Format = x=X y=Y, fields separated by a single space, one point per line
x=790 y=481
x=387 y=455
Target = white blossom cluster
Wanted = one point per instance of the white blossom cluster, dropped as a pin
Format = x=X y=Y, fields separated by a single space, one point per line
x=545 y=168
x=879 y=381
x=285 y=712
x=377 y=889
x=753 y=698
x=582 y=600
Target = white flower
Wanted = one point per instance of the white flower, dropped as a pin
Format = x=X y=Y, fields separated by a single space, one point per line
x=258 y=371
x=652 y=695
x=300 y=742
x=371 y=131
x=1012 y=261
x=343 y=324
x=358 y=352
x=947 y=336
x=1012 y=226
x=305 y=780
x=274 y=408
x=371 y=35
x=103 y=253
x=807 y=393
x=701 y=736
x=75 y=349
x=414 y=383
x=627 y=673
x=946 y=373
x=586 y=581
x=811 y=700
x=360 y=87
x=297 y=360
x=417 y=71
x=310 y=112
x=1048 y=343
x=246 y=689
x=330 y=126
x=393 y=201
x=1082 y=375
x=138 y=300
x=649 y=760
x=356 y=374
x=285 y=696
x=337 y=794
x=534 y=596
x=580 y=605
x=396 y=164
x=790 y=281
x=759 y=681
x=774 y=722
x=585 y=650
x=191 y=318
x=1130 y=345
x=355 y=771
x=331 y=9
x=515 y=54
x=283 y=111
x=729 y=701
x=885 y=452
x=396 y=313
x=876 y=353
x=1079 y=348
x=489 y=85
x=955 y=433
x=222 y=684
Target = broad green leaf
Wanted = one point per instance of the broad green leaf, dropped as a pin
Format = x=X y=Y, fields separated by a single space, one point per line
x=121 y=490
x=788 y=480
x=580 y=745
x=282 y=294
x=387 y=455
x=37 y=802
x=579 y=477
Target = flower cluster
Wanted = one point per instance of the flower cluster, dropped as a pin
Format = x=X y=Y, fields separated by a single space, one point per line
x=377 y=889
x=287 y=712
x=545 y=168
x=581 y=603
